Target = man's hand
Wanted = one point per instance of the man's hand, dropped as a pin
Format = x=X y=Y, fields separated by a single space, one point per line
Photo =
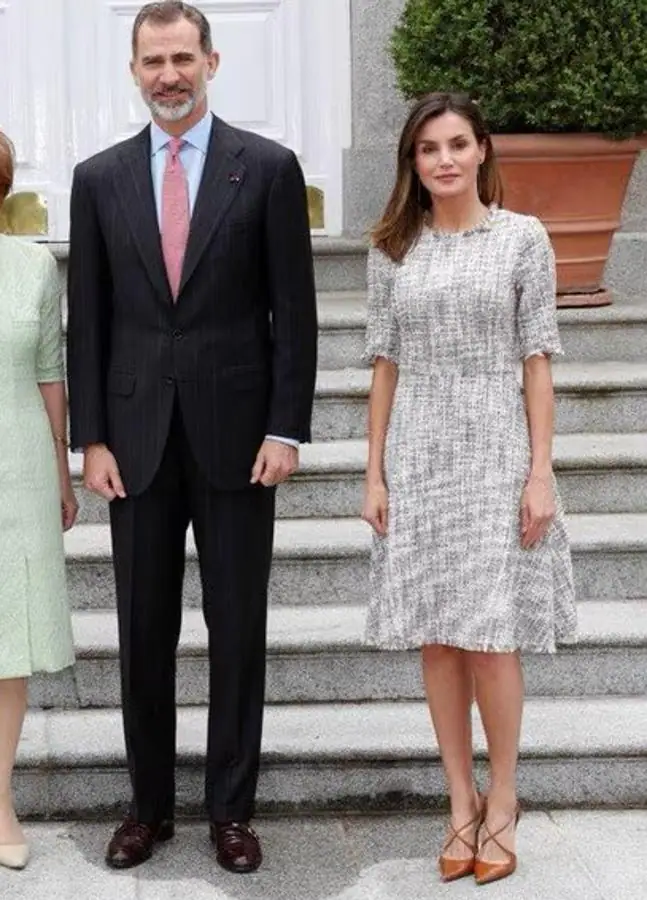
x=101 y=473
x=275 y=462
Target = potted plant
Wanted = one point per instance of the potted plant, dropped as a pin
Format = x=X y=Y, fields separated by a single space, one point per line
x=563 y=85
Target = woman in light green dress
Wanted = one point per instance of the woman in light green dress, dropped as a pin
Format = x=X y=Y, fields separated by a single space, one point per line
x=36 y=498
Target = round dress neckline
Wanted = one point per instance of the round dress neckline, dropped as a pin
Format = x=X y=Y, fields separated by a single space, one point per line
x=483 y=225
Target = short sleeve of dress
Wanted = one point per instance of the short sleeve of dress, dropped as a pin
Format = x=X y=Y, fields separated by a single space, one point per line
x=49 y=359
x=382 y=337
x=536 y=282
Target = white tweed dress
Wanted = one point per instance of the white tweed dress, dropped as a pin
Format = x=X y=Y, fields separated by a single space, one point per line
x=457 y=315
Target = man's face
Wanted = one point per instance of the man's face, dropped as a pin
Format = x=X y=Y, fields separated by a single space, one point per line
x=171 y=69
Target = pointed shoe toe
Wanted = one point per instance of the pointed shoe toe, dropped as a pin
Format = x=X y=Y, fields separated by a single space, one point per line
x=14 y=856
x=453 y=869
x=487 y=872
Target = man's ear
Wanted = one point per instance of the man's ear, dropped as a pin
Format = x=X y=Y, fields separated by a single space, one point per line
x=214 y=64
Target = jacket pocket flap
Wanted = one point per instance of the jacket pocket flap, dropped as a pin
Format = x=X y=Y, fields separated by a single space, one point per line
x=244 y=375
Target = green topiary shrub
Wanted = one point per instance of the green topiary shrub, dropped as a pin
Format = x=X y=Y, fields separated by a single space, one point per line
x=533 y=65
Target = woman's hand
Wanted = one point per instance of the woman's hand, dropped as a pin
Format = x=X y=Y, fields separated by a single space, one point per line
x=537 y=509
x=376 y=506
x=69 y=507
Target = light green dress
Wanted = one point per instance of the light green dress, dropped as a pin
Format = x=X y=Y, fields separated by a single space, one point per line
x=35 y=629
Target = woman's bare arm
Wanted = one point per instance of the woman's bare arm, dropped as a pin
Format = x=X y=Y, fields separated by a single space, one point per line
x=538 y=501
x=540 y=404
x=55 y=400
x=380 y=401
x=385 y=379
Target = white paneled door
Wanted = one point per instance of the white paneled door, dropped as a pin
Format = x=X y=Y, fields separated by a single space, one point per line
x=32 y=100
x=285 y=73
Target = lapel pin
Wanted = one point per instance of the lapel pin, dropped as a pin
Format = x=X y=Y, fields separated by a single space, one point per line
x=234 y=177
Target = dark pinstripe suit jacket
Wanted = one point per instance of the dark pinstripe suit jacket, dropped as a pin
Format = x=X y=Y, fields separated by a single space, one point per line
x=238 y=348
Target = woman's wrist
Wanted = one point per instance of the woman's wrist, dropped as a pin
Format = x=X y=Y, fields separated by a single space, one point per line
x=60 y=440
x=541 y=473
x=64 y=474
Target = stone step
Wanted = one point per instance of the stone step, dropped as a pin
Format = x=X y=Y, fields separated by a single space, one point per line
x=325 y=561
x=610 y=333
x=317 y=655
x=342 y=326
x=616 y=333
x=626 y=271
x=597 y=473
x=574 y=751
x=340 y=264
x=590 y=397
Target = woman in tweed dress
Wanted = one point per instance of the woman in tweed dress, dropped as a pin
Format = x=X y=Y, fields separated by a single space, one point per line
x=470 y=557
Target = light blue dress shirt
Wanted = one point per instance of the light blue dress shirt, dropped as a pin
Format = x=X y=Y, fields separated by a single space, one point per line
x=193 y=154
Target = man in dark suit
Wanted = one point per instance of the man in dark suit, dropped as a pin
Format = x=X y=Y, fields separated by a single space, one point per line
x=191 y=363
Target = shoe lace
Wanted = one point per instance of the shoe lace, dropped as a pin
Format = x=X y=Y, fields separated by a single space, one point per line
x=134 y=830
x=236 y=833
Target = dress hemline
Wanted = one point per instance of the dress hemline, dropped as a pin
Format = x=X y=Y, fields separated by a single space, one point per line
x=417 y=644
x=53 y=669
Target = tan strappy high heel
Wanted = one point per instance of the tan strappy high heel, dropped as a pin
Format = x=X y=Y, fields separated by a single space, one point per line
x=485 y=872
x=453 y=869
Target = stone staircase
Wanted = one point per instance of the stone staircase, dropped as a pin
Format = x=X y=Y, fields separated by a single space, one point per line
x=346 y=726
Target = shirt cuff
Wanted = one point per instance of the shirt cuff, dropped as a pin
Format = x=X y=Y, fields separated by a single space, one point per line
x=283 y=440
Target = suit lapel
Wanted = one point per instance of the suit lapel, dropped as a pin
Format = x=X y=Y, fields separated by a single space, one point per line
x=222 y=178
x=135 y=191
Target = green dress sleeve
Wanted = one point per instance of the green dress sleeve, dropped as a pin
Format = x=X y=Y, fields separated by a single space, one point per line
x=49 y=358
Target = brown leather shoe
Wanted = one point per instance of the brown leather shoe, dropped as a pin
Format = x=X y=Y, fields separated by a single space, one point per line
x=133 y=842
x=238 y=848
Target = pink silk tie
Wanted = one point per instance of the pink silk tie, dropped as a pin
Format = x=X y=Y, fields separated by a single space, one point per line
x=175 y=215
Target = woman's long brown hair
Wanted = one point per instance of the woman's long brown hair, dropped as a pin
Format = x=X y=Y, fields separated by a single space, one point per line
x=404 y=214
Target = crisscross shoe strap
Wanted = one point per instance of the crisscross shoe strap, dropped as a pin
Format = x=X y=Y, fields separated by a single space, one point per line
x=456 y=834
x=494 y=837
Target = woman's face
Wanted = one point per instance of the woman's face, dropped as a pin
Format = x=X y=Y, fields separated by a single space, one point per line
x=448 y=156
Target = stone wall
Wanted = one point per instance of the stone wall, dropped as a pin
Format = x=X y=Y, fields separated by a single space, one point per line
x=378 y=113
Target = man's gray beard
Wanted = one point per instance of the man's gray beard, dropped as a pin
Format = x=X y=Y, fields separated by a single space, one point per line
x=173 y=113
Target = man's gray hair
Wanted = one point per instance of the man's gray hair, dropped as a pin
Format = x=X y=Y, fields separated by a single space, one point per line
x=168 y=11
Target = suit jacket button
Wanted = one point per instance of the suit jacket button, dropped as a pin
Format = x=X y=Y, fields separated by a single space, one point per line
x=168 y=380
x=178 y=335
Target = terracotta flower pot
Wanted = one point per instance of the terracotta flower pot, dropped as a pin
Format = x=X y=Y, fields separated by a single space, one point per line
x=576 y=184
